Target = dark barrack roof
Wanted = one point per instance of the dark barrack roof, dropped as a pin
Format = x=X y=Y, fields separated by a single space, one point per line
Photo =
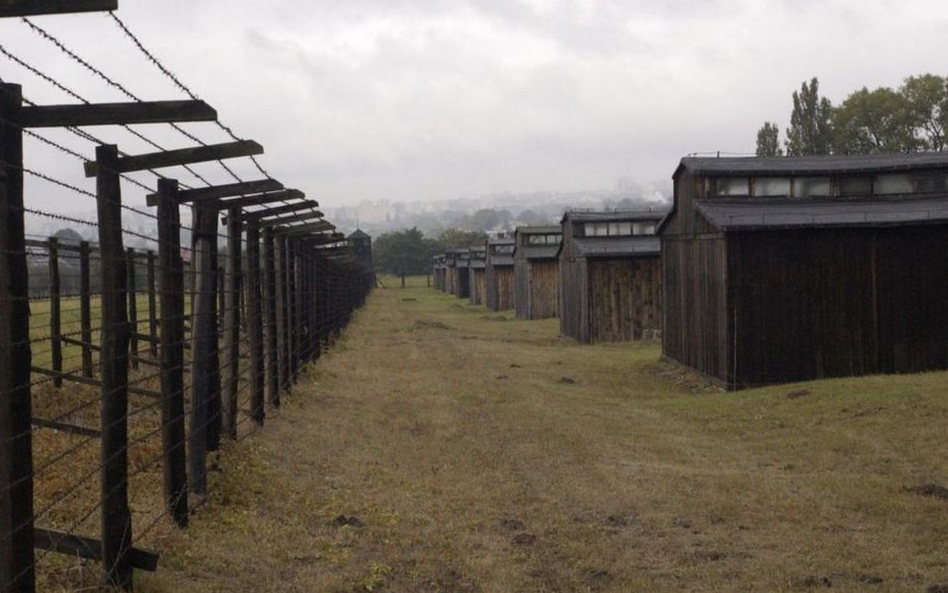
x=815 y=165
x=554 y=229
x=750 y=213
x=643 y=245
x=615 y=216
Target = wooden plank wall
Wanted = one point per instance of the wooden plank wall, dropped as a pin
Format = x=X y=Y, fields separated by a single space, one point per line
x=574 y=310
x=521 y=286
x=839 y=302
x=478 y=283
x=695 y=328
x=624 y=298
x=544 y=288
x=500 y=288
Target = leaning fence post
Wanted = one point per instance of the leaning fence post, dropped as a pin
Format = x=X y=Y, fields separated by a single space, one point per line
x=231 y=366
x=55 y=313
x=255 y=324
x=172 y=352
x=203 y=326
x=270 y=287
x=132 y=307
x=113 y=364
x=16 y=463
x=85 y=309
x=152 y=308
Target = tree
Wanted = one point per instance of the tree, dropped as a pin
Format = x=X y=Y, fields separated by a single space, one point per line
x=461 y=239
x=768 y=140
x=874 y=121
x=404 y=253
x=926 y=104
x=810 y=130
x=68 y=236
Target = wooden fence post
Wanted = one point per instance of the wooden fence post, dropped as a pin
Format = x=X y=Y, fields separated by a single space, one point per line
x=203 y=326
x=293 y=312
x=152 y=307
x=55 y=313
x=132 y=307
x=113 y=364
x=232 y=282
x=255 y=324
x=172 y=352
x=279 y=251
x=214 y=416
x=85 y=309
x=16 y=463
x=270 y=288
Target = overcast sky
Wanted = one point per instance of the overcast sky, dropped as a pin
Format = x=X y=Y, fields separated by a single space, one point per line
x=422 y=100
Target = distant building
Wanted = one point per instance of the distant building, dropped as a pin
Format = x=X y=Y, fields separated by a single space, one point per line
x=537 y=271
x=795 y=268
x=477 y=271
x=500 y=273
x=361 y=245
x=610 y=276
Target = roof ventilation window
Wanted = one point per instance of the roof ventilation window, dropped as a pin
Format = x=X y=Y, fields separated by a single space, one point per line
x=503 y=249
x=643 y=228
x=931 y=184
x=855 y=186
x=543 y=239
x=887 y=185
x=732 y=186
x=812 y=187
x=772 y=187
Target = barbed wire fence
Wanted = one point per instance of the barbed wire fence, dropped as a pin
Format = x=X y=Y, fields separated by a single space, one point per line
x=133 y=349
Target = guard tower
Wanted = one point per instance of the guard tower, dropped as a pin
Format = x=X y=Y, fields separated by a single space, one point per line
x=361 y=245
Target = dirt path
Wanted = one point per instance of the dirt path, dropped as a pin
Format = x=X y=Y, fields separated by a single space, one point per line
x=441 y=448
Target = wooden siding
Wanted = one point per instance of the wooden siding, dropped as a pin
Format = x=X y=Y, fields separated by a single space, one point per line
x=838 y=302
x=451 y=280
x=573 y=301
x=695 y=328
x=500 y=290
x=536 y=288
x=624 y=298
x=478 y=283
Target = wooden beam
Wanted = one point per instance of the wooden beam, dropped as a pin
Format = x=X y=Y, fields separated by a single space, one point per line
x=92 y=382
x=276 y=211
x=263 y=222
x=217 y=192
x=314 y=227
x=267 y=198
x=17 y=8
x=70 y=428
x=90 y=549
x=183 y=156
x=116 y=114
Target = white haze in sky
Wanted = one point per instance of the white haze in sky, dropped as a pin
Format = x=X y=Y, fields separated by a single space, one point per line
x=424 y=100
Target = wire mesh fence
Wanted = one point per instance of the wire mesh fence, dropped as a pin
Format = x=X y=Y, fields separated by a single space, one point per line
x=134 y=346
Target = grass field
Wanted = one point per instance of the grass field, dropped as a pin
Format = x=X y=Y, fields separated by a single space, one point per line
x=440 y=447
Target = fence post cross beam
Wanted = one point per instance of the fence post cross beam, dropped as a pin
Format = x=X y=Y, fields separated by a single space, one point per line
x=19 y=8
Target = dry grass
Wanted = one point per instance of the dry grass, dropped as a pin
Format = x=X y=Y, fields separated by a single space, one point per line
x=450 y=434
